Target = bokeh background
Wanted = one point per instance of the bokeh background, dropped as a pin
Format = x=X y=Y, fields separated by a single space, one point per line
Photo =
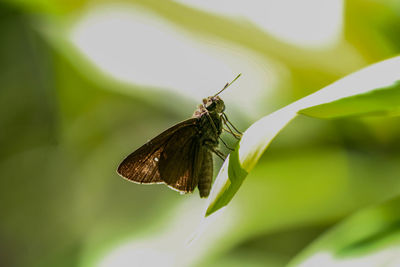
x=84 y=83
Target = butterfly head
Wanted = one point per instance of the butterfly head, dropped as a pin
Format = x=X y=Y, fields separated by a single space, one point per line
x=214 y=104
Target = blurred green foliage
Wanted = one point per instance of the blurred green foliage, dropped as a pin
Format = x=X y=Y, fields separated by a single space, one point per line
x=65 y=125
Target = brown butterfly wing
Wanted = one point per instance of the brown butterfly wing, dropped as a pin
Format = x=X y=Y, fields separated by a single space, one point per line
x=180 y=162
x=142 y=166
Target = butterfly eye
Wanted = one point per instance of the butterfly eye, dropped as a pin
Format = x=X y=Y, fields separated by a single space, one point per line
x=204 y=101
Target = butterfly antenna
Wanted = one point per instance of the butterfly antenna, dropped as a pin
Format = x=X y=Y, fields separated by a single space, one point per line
x=228 y=84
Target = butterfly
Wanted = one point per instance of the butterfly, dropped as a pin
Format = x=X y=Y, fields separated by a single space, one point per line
x=181 y=156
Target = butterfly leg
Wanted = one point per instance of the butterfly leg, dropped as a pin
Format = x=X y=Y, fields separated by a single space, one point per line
x=233 y=126
x=229 y=130
x=219 y=154
x=236 y=136
x=210 y=144
x=227 y=123
x=228 y=147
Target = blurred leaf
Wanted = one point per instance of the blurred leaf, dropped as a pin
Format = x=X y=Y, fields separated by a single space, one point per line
x=27 y=106
x=359 y=87
x=57 y=7
x=370 y=237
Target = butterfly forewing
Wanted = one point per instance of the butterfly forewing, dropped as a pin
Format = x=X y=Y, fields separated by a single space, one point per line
x=141 y=165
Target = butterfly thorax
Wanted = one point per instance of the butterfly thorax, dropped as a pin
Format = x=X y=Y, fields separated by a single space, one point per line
x=209 y=115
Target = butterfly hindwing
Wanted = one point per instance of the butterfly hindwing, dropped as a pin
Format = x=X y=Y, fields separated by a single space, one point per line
x=181 y=161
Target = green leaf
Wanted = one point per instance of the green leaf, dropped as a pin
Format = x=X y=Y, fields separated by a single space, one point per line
x=382 y=101
x=236 y=175
x=374 y=89
x=371 y=235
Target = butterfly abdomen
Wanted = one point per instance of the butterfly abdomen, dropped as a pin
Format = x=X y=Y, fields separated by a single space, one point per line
x=205 y=175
